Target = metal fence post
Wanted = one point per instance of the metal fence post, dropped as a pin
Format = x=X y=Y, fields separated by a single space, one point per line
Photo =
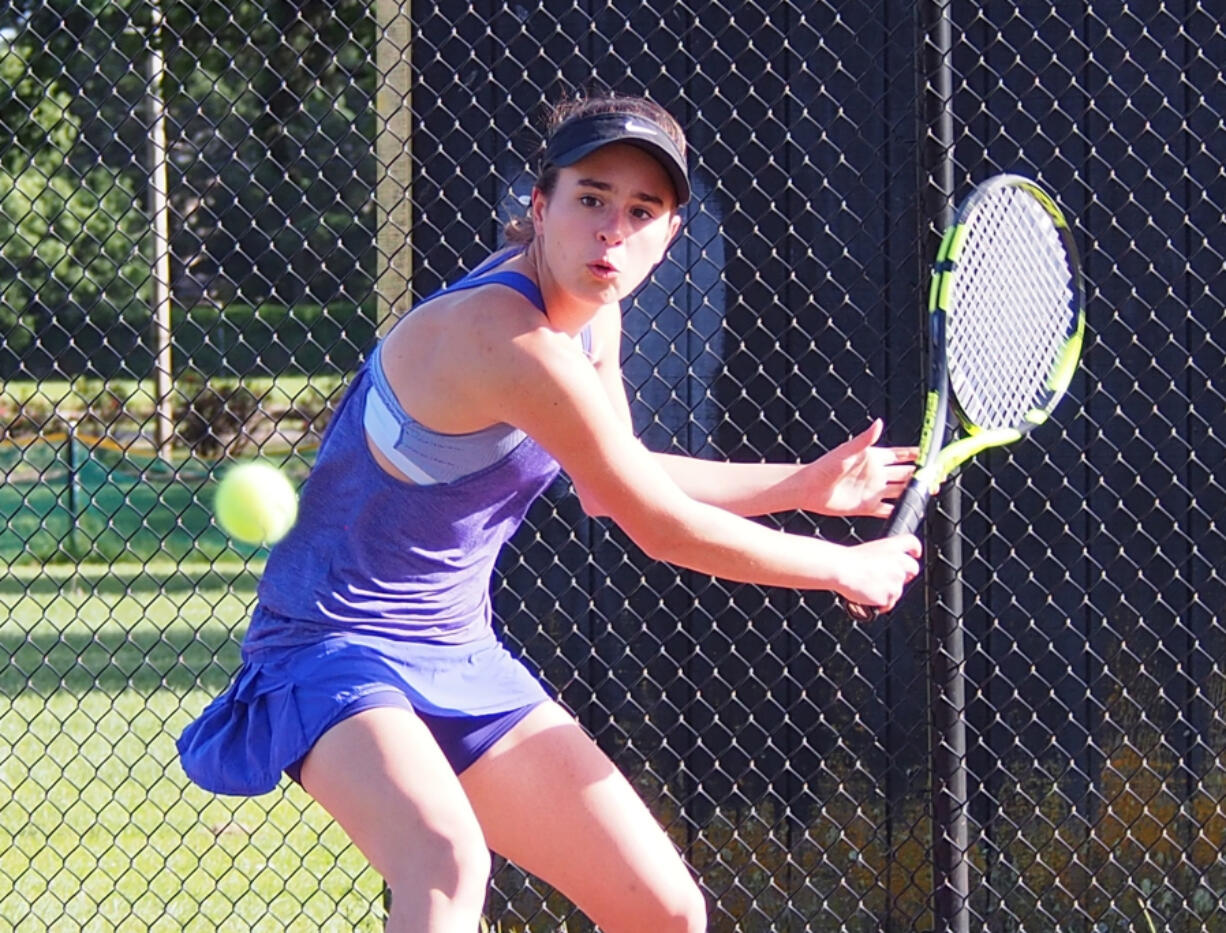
x=951 y=876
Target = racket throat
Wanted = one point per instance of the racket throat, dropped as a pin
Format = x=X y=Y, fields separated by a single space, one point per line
x=963 y=449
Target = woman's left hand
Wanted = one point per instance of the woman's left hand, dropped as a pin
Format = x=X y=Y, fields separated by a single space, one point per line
x=857 y=478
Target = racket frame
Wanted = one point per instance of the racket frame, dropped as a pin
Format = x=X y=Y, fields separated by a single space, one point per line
x=937 y=459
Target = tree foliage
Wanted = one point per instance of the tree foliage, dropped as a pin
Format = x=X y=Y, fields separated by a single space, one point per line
x=270 y=128
x=69 y=234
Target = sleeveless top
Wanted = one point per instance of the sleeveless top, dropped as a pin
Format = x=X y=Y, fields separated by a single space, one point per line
x=372 y=554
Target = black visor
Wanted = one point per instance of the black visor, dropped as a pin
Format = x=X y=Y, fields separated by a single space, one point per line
x=581 y=136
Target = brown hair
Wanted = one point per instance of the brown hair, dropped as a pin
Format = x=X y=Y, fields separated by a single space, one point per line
x=519 y=230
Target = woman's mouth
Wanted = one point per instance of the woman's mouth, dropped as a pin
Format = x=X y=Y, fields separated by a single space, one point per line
x=602 y=270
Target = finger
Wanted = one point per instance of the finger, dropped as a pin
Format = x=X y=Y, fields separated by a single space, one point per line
x=894 y=493
x=904 y=454
x=874 y=430
x=869 y=436
x=861 y=613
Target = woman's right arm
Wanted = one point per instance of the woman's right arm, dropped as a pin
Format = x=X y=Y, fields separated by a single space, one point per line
x=539 y=381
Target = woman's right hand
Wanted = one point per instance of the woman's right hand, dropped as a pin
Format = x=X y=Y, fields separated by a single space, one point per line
x=876 y=572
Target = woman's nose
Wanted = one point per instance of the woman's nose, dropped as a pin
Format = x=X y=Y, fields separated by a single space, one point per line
x=612 y=230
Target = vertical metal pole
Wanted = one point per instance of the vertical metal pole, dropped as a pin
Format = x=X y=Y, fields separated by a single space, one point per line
x=394 y=177
x=74 y=503
x=951 y=867
x=159 y=207
x=393 y=150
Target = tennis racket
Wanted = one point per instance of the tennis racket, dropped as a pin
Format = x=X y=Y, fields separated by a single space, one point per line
x=1005 y=328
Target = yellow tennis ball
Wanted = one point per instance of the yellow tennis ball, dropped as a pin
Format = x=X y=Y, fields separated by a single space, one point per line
x=255 y=503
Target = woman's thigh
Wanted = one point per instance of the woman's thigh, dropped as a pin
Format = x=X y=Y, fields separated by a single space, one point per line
x=383 y=778
x=550 y=801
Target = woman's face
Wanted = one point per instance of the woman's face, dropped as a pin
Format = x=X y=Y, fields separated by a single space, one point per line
x=607 y=223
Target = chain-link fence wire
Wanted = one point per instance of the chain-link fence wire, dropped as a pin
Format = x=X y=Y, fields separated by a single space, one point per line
x=326 y=163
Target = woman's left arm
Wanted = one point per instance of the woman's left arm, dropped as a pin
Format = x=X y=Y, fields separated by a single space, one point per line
x=855 y=478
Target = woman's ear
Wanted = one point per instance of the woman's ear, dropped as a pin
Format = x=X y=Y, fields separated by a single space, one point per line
x=540 y=201
x=674 y=226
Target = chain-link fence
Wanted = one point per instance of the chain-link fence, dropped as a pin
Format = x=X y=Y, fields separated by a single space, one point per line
x=207 y=208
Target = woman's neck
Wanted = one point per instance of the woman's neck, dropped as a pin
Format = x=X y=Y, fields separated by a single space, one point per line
x=563 y=311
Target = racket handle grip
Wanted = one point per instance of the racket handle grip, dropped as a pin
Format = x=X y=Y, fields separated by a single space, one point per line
x=905 y=520
x=909 y=512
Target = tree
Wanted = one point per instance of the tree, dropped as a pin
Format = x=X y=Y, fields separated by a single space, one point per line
x=72 y=271
x=270 y=108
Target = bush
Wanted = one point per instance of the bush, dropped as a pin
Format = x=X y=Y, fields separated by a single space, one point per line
x=231 y=341
x=269 y=340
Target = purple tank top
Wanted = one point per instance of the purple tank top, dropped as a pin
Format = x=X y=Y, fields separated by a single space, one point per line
x=371 y=554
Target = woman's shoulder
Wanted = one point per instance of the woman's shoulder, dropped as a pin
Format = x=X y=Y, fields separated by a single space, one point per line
x=476 y=329
x=493 y=309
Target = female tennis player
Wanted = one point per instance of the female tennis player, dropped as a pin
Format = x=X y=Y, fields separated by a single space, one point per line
x=372 y=672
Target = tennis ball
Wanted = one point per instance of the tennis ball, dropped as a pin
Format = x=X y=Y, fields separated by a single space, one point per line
x=255 y=503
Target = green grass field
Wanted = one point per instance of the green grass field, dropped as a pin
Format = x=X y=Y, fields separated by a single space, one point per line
x=99 y=828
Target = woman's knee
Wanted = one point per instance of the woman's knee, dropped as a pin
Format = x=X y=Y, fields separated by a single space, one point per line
x=688 y=911
x=679 y=909
x=453 y=864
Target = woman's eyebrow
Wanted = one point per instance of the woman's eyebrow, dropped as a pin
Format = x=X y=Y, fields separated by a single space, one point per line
x=605 y=186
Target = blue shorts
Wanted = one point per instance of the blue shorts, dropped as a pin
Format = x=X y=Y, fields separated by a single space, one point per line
x=463 y=739
x=283 y=699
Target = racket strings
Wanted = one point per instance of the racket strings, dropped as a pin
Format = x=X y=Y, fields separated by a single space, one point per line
x=1012 y=310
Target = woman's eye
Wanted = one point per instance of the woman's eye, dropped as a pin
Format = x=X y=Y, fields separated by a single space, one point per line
x=589 y=200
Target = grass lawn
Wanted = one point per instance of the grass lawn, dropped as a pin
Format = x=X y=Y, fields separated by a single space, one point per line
x=99 y=827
